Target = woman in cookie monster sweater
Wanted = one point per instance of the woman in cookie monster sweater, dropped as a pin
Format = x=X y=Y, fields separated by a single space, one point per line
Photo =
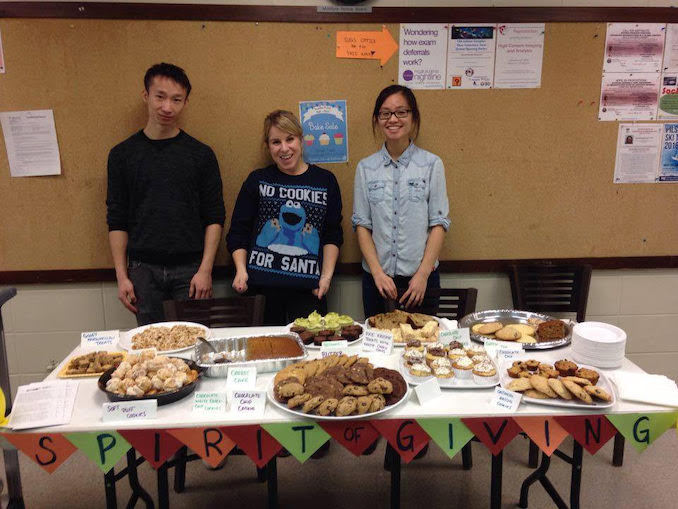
x=286 y=227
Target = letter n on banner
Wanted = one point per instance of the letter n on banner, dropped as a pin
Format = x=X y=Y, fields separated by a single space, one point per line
x=356 y=436
x=643 y=429
x=494 y=432
x=404 y=435
x=209 y=443
x=544 y=431
x=301 y=439
x=47 y=450
x=104 y=448
x=155 y=445
x=591 y=431
x=257 y=443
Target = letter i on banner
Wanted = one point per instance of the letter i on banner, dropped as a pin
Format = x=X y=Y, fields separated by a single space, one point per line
x=104 y=448
x=643 y=429
x=155 y=445
x=48 y=450
x=209 y=443
x=494 y=432
x=544 y=431
x=451 y=435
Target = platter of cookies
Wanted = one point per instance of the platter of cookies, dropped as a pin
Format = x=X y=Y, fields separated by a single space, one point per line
x=337 y=387
x=455 y=366
x=316 y=329
x=535 y=331
x=563 y=383
x=90 y=364
x=406 y=326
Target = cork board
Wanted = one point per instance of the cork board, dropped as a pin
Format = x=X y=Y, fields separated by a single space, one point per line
x=529 y=172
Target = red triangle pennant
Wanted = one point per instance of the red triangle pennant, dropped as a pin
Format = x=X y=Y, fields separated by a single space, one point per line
x=356 y=436
x=47 y=450
x=257 y=443
x=404 y=435
x=155 y=445
x=591 y=431
x=494 y=432
x=209 y=443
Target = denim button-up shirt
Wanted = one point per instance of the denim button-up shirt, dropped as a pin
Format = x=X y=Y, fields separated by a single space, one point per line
x=400 y=201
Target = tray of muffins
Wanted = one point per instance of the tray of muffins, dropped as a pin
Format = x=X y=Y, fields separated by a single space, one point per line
x=535 y=331
x=455 y=366
x=315 y=329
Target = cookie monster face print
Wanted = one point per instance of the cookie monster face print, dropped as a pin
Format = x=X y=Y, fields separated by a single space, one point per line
x=289 y=233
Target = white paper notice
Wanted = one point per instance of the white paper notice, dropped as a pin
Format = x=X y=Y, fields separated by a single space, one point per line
x=631 y=96
x=209 y=403
x=43 y=404
x=668 y=96
x=637 y=153
x=520 y=51
x=634 y=47
x=31 y=142
x=671 y=48
x=668 y=166
x=428 y=390
x=378 y=341
x=248 y=403
x=2 y=57
x=130 y=410
x=101 y=340
x=470 y=56
x=422 y=54
x=505 y=400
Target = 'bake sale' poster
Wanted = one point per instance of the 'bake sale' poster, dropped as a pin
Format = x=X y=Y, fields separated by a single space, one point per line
x=325 y=130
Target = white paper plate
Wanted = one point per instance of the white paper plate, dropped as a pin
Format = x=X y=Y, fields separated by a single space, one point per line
x=126 y=337
x=313 y=346
x=447 y=383
x=441 y=326
x=282 y=406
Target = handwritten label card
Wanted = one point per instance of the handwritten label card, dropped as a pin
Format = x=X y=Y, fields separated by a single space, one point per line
x=241 y=378
x=100 y=340
x=248 y=403
x=508 y=351
x=378 y=341
x=428 y=391
x=463 y=336
x=491 y=347
x=333 y=347
x=130 y=410
x=213 y=403
x=505 y=400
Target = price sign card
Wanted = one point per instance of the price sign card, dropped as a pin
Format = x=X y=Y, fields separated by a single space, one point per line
x=248 y=403
x=427 y=391
x=378 y=341
x=130 y=410
x=100 y=340
x=212 y=403
x=463 y=336
x=333 y=348
x=241 y=378
x=505 y=400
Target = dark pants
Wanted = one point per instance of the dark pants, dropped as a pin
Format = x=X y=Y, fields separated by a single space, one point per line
x=154 y=284
x=284 y=305
x=373 y=302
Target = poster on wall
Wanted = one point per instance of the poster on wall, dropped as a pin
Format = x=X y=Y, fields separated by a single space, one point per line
x=668 y=96
x=520 y=52
x=668 y=166
x=470 y=56
x=422 y=55
x=634 y=47
x=629 y=96
x=637 y=153
x=31 y=142
x=325 y=130
x=671 y=48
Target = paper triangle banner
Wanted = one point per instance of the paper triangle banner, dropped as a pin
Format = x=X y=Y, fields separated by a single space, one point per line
x=544 y=431
x=450 y=434
x=356 y=436
x=104 y=448
x=155 y=445
x=209 y=443
x=47 y=450
x=404 y=435
x=494 y=432
x=591 y=431
x=256 y=442
x=643 y=429
x=301 y=439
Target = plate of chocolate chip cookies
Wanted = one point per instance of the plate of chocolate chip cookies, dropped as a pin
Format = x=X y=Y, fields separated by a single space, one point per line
x=337 y=387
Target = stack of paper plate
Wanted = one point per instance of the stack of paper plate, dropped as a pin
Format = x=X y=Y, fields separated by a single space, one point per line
x=598 y=344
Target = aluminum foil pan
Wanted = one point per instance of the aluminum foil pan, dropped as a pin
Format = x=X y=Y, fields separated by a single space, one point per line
x=508 y=316
x=236 y=348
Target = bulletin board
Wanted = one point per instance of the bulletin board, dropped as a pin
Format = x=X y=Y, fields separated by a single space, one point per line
x=529 y=172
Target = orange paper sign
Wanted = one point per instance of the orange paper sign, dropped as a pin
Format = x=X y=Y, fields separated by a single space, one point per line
x=209 y=443
x=544 y=431
x=371 y=45
x=47 y=450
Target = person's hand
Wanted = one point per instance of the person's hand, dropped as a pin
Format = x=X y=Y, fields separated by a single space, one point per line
x=323 y=287
x=385 y=285
x=126 y=294
x=201 y=286
x=240 y=282
x=415 y=291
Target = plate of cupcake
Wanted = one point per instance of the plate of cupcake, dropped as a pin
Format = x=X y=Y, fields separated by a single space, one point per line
x=315 y=329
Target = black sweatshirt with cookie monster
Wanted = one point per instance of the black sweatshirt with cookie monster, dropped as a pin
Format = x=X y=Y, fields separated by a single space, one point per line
x=164 y=193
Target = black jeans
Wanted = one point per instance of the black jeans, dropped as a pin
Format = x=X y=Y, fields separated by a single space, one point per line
x=154 y=284
x=373 y=302
x=284 y=305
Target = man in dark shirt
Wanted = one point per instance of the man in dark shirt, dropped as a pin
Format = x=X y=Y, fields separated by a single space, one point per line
x=165 y=204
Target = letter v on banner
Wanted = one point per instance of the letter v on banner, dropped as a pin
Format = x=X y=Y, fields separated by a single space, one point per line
x=494 y=432
x=591 y=431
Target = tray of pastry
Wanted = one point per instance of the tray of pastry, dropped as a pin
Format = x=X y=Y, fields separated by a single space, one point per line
x=266 y=352
x=535 y=331
x=91 y=364
x=407 y=326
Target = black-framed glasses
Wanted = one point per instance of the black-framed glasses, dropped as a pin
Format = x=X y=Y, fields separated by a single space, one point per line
x=385 y=115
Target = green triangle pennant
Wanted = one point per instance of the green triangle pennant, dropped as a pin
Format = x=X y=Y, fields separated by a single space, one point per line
x=449 y=433
x=301 y=439
x=104 y=448
x=644 y=428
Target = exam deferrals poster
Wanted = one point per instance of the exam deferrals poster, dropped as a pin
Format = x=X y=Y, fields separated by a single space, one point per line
x=325 y=131
x=422 y=55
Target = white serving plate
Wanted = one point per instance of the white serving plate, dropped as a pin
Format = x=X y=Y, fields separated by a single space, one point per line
x=446 y=383
x=282 y=406
x=441 y=326
x=125 y=341
x=313 y=346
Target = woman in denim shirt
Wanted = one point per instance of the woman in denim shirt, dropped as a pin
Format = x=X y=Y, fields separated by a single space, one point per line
x=400 y=207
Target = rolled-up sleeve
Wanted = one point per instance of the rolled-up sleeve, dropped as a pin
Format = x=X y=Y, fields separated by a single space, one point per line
x=362 y=215
x=438 y=205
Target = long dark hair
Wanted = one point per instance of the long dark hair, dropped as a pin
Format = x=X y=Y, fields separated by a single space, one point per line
x=411 y=101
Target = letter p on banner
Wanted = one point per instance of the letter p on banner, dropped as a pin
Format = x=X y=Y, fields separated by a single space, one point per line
x=104 y=448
